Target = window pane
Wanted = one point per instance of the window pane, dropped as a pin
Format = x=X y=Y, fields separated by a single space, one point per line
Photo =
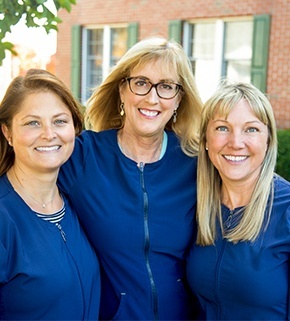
x=238 y=42
x=238 y=50
x=118 y=44
x=203 y=41
x=202 y=55
x=239 y=70
x=94 y=60
x=104 y=47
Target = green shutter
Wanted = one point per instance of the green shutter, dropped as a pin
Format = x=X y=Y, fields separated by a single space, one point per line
x=259 y=65
x=132 y=34
x=175 y=30
x=76 y=60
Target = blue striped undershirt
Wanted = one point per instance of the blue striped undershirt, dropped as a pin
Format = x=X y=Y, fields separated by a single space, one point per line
x=53 y=218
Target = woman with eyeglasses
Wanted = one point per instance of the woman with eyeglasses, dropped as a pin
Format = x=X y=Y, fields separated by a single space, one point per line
x=133 y=181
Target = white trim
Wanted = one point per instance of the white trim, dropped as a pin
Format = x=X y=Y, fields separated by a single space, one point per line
x=84 y=66
x=218 y=50
x=106 y=50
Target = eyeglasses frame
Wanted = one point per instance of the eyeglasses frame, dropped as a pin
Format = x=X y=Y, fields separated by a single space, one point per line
x=179 y=87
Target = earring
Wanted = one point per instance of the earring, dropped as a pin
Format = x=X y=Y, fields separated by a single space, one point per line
x=122 y=110
x=175 y=115
x=9 y=142
x=206 y=148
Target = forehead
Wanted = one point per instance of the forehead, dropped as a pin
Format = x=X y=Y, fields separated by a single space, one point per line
x=42 y=101
x=155 y=70
x=240 y=114
x=223 y=109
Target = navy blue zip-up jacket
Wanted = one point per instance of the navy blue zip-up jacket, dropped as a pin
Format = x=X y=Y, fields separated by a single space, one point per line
x=46 y=272
x=139 y=220
x=247 y=280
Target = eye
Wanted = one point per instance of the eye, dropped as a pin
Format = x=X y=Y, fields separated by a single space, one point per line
x=165 y=86
x=140 y=82
x=252 y=130
x=32 y=123
x=60 y=121
x=222 y=129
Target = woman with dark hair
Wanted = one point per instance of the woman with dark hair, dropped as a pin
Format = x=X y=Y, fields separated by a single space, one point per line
x=48 y=269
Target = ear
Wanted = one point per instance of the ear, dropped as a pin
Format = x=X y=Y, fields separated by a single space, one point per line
x=178 y=99
x=122 y=87
x=6 y=133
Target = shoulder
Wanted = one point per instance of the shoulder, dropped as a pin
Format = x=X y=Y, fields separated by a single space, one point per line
x=90 y=137
x=281 y=202
x=172 y=138
x=175 y=150
x=281 y=188
x=5 y=186
x=9 y=212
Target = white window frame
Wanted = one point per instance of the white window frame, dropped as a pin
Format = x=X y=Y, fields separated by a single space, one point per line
x=107 y=29
x=217 y=73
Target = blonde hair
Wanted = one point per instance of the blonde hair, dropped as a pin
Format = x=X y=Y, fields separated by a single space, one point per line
x=255 y=215
x=103 y=106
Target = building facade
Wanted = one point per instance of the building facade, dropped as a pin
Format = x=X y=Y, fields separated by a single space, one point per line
x=243 y=41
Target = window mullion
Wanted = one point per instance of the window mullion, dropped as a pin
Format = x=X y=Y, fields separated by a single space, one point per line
x=219 y=50
x=106 y=51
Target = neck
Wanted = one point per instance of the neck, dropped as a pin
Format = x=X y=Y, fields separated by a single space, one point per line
x=236 y=197
x=140 y=149
x=42 y=196
x=237 y=193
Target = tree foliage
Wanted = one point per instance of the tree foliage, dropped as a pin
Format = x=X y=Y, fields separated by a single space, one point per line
x=35 y=13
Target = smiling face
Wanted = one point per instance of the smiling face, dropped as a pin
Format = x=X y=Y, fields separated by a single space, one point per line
x=42 y=133
x=147 y=115
x=237 y=144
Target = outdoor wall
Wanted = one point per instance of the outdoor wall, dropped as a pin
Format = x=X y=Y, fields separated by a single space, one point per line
x=153 y=17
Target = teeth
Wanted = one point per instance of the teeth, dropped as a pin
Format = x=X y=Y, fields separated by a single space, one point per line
x=149 y=113
x=235 y=158
x=47 y=149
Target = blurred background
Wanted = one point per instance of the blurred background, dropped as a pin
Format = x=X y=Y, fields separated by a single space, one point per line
x=244 y=41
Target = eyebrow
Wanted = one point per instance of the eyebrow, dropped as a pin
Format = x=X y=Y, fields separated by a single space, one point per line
x=248 y=122
x=39 y=117
x=161 y=80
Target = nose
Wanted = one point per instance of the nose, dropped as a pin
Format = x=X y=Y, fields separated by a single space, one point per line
x=236 y=140
x=48 y=132
x=152 y=96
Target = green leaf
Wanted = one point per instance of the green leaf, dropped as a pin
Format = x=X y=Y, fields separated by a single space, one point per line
x=35 y=13
x=66 y=4
x=2 y=55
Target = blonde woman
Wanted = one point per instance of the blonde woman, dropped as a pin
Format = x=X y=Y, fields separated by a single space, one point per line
x=134 y=181
x=239 y=264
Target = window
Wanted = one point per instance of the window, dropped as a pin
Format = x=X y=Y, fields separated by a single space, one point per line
x=219 y=49
x=238 y=50
x=102 y=48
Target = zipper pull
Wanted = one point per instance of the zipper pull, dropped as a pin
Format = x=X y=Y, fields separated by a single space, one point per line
x=61 y=231
x=229 y=219
x=141 y=166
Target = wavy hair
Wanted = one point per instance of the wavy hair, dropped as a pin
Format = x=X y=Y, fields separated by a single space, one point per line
x=104 y=113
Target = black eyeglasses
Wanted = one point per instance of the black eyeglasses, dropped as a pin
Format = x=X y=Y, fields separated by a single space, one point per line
x=141 y=87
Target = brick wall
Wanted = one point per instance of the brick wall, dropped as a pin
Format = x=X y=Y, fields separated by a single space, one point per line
x=153 y=17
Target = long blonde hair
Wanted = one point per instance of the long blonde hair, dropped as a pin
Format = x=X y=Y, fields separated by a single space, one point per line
x=103 y=106
x=255 y=215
